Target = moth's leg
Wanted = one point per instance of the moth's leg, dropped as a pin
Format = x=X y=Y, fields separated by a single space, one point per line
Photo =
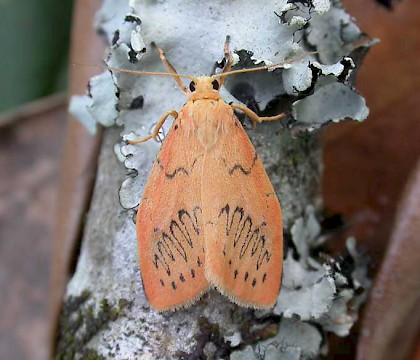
x=170 y=68
x=228 y=55
x=157 y=127
x=229 y=58
x=254 y=117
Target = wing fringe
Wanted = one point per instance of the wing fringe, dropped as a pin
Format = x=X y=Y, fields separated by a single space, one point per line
x=185 y=304
x=248 y=304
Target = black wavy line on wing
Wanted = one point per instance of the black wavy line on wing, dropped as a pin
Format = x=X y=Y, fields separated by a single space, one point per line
x=241 y=168
x=180 y=169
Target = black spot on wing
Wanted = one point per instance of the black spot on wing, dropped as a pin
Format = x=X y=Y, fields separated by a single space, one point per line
x=235 y=273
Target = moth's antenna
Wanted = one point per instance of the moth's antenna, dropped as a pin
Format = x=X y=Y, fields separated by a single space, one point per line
x=223 y=75
x=136 y=72
x=151 y=73
x=229 y=59
x=170 y=68
x=265 y=67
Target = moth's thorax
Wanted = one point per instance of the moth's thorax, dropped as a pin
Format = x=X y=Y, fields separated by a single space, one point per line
x=209 y=119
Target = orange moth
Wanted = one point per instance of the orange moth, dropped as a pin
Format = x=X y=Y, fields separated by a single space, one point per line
x=209 y=216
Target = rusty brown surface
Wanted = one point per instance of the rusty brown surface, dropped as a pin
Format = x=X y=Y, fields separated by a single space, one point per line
x=78 y=164
x=392 y=318
x=29 y=155
x=36 y=144
x=383 y=150
x=367 y=165
x=416 y=355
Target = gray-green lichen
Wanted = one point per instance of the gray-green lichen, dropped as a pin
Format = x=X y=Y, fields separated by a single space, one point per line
x=322 y=293
x=80 y=321
x=295 y=339
x=317 y=295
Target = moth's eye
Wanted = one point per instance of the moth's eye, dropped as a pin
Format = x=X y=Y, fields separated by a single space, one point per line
x=215 y=84
x=192 y=86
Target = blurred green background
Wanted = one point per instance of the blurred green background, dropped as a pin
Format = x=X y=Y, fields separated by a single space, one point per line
x=34 y=46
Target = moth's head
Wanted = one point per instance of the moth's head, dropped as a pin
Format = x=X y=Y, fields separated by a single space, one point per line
x=204 y=87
